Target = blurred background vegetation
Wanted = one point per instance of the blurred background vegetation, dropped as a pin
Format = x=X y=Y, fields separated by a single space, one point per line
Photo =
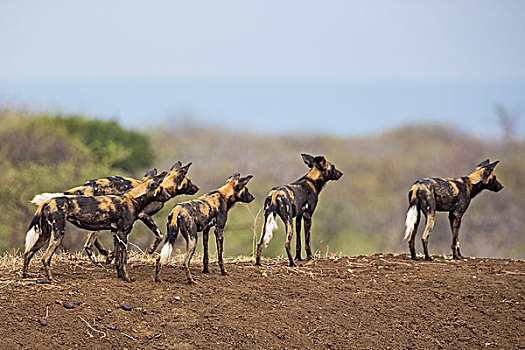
x=362 y=213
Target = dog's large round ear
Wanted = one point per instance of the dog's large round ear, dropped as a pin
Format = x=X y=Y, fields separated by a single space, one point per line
x=483 y=164
x=492 y=166
x=320 y=162
x=185 y=168
x=308 y=160
x=235 y=176
x=242 y=182
x=161 y=176
x=156 y=181
x=150 y=174
x=177 y=165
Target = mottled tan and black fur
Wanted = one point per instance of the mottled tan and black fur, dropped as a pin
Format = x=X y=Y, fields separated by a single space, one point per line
x=199 y=215
x=296 y=200
x=112 y=212
x=175 y=183
x=429 y=195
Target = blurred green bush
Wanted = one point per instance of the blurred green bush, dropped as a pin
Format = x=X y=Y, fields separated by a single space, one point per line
x=52 y=153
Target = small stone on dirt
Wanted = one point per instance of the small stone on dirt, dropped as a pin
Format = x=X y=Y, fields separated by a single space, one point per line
x=43 y=281
x=113 y=328
x=141 y=310
x=126 y=307
x=42 y=322
x=68 y=306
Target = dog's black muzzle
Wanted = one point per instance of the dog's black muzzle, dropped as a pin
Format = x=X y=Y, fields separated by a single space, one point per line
x=192 y=189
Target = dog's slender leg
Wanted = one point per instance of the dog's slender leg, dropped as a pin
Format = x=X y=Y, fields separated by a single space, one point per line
x=110 y=255
x=219 y=238
x=101 y=249
x=57 y=233
x=455 y=222
x=289 y=234
x=157 y=269
x=205 y=236
x=298 y=220
x=148 y=221
x=459 y=252
x=260 y=243
x=42 y=239
x=191 y=243
x=428 y=229
x=88 y=246
x=121 y=255
x=412 y=237
x=117 y=248
x=307 y=227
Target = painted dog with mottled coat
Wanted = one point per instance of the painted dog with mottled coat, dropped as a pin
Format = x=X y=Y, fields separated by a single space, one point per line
x=453 y=195
x=175 y=183
x=117 y=213
x=199 y=215
x=296 y=200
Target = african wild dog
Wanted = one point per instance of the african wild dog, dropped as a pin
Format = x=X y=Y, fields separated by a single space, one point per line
x=453 y=195
x=175 y=183
x=201 y=214
x=112 y=212
x=296 y=200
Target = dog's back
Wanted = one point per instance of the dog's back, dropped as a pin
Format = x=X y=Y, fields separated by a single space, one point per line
x=200 y=211
x=105 y=186
x=445 y=192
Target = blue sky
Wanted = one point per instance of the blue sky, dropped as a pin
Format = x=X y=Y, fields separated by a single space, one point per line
x=364 y=65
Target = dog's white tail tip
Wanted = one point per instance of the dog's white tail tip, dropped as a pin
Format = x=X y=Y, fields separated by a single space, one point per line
x=165 y=253
x=31 y=238
x=40 y=198
x=410 y=221
x=271 y=225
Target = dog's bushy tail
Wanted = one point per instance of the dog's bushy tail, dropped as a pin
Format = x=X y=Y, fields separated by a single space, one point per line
x=42 y=197
x=34 y=230
x=412 y=213
x=169 y=241
x=271 y=225
x=270 y=213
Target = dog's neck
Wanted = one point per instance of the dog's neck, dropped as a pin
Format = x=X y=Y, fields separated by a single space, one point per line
x=474 y=186
x=170 y=185
x=227 y=193
x=316 y=178
x=139 y=196
x=139 y=203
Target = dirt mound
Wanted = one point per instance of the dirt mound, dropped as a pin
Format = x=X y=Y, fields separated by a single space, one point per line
x=379 y=301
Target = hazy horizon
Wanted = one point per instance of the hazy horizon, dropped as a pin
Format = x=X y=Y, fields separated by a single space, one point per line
x=338 y=108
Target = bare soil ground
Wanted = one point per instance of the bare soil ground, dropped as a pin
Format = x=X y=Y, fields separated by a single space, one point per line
x=365 y=302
